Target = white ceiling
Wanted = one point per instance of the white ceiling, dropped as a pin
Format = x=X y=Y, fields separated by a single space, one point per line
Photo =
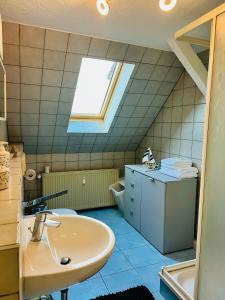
x=139 y=22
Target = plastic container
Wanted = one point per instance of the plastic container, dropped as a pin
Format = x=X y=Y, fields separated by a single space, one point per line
x=118 y=191
x=4 y=155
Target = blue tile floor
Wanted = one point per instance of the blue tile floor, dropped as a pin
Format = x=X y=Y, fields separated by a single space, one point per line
x=134 y=262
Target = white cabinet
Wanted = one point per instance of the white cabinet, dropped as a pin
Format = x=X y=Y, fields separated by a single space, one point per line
x=161 y=208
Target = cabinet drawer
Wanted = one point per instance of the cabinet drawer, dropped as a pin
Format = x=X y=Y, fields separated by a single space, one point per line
x=133 y=217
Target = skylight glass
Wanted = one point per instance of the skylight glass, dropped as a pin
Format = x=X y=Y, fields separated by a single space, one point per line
x=93 y=84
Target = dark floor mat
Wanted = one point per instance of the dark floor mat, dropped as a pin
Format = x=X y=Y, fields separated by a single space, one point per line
x=137 y=293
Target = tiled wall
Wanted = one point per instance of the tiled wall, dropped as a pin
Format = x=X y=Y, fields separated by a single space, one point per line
x=178 y=128
x=42 y=69
x=73 y=162
x=3 y=131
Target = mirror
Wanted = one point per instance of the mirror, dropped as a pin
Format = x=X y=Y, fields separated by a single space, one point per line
x=2 y=91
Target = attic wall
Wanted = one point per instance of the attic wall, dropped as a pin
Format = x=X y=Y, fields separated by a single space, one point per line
x=73 y=162
x=42 y=69
x=178 y=128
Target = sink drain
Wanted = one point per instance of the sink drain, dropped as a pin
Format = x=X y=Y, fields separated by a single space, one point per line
x=65 y=260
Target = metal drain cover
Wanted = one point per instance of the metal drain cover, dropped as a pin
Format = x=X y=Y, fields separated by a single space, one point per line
x=65 y=260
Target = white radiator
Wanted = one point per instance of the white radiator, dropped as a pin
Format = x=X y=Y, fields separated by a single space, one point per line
x=86 y=189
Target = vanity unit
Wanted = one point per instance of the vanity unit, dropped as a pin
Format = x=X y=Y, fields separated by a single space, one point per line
x=160 y=207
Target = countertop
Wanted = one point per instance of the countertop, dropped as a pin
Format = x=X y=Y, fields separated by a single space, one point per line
x=11 y=206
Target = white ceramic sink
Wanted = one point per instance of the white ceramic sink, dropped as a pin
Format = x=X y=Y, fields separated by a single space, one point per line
x=86 y=241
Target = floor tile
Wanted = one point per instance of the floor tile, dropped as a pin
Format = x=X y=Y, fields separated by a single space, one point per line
x=174 y=260
x=121 y=227
x=143 y=256
x=165 y=293
x=130 y=240
x=107 y=216
x=150 y=276
x=117 y=263
x=122 y=281
x=86 y=290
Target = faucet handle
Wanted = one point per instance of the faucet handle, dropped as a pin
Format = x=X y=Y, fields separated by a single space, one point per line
x=44 y=213
x=47 y=212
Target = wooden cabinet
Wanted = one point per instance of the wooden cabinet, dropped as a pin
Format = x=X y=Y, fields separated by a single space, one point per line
x=161 y=207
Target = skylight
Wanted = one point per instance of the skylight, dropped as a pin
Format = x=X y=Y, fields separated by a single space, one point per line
x=100 y=88
x=94 y=86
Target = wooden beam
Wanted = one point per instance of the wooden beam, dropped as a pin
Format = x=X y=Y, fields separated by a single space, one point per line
x=195 y=41
x=203 y=19
x=191 y=63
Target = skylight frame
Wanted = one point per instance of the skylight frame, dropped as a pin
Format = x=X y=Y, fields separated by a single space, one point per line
x=106 y=102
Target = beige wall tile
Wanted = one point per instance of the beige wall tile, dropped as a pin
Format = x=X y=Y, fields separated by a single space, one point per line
x=84 y=156
x=188 y=113
x=54 y=60
x=31 y=75
x=58 y=166
x=52 y=78
x=32 y=36
x=96 y=164
x=58 y=157
x=31 y=57
x=177 y=114
x=44 y=158
x=98 y=47
x=71 y=166
x=13 y=73
x=11 y=54
x=73 y=62
x=185 y=148
x=84 y=164
x=78 y=43
x=31 y=92
x=197 y=150
x=107 y=155
x=10 y=33
x=199 y=113
x=56 y=40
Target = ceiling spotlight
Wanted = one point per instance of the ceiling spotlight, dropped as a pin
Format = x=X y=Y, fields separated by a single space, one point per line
x=167 y=5
x=103 y=7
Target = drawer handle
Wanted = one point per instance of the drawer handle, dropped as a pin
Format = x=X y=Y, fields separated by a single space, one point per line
x=152 y=179
x=131 y=199
x=131 y=213
x=132 y=185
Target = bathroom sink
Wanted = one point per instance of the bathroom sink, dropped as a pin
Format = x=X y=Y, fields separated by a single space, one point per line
x=83 y=244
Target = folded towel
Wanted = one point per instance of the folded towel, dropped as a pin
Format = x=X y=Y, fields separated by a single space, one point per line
x=184 y=173
x=176 y=162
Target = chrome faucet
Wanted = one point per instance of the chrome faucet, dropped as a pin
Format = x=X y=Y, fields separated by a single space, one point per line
x=40 y=222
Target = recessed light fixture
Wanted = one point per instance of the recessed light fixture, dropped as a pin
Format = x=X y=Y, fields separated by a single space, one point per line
x=167 y=5
x=103 y=7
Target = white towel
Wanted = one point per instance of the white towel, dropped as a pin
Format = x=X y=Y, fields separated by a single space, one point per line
x=176 y=162
x=182 y=173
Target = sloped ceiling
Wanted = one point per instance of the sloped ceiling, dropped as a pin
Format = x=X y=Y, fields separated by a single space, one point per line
x=42 y=69
x=138 y=22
